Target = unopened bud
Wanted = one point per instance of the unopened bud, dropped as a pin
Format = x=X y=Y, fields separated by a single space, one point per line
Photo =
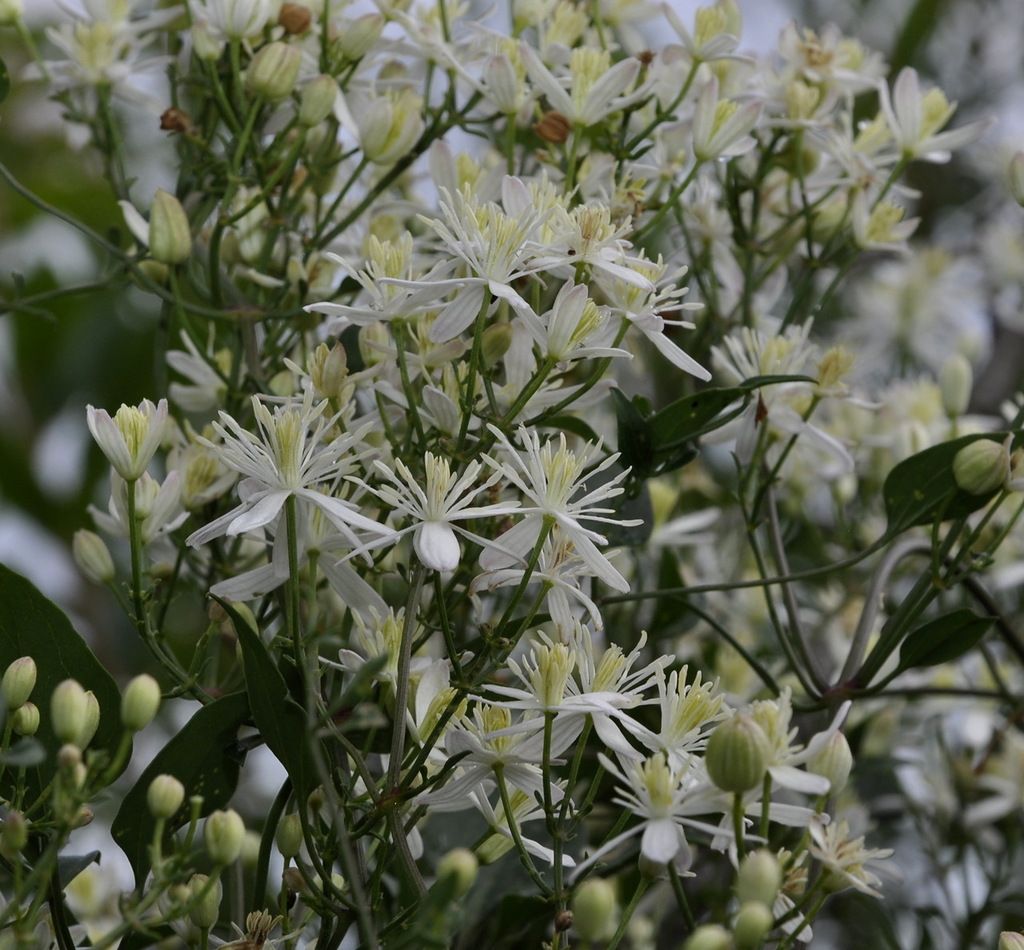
x=91 y=722
x=274 y=71
x=170 y=237
x=317 y=100
x=204 y=901
x=981 y=466
x=223 y=834
x=10 y=12
x=462 y=865
x=360 y=36
x=289 y=836
x=13 y=834
x=19 y=680
x=834 y=760
x=84 y=815
x=316 y=800
x=69 y=757
x=955 y=382
x=737 y=754
x=140 y=702
x=1011 y=940
x=69 y=707
x=553 y=127
x=374 y=341
x=709 y=937
x=92 y=556
x=25 y=719
x=328 y=369
x=759 y=878
x=595 y=910
x=1017 y=183
x=496 y=341
x=165 y=796
x=295 y=18
x=753 y=923
x=293 y=881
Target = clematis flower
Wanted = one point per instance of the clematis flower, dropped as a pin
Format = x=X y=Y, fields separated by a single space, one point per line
x=130 y=439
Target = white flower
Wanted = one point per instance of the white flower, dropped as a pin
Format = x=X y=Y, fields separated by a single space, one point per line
x=720 y=126
x=289 y=458
x=207 y=376
x=843 y=857
x=131 y=438
x=553 y=479
x=235 y=19
x=434 y=507
x=157 y=507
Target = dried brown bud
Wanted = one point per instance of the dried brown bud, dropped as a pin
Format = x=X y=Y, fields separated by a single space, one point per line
x=563 y=921
x=554 y=127
x=646 y=57
x=175 y=120
x=295 y=18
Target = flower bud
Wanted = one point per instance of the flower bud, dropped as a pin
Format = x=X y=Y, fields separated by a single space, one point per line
x=328 y=369
x=317 y=100
x=25 y=719
x=753 y=923
x=759 y=878
x=374 y=340
x=1011 y=940
x=289 y=836
x=140 y=702
x=18 y=682
x=84 y=816
x=981 y=466
x=360 y=36
x=204 y=901
x=390 y=125
x=496 y=341
x=709 y=937
x=68 y=710
x=293 y=881
x=553 y=127
x=595 y=910
x=955 y=382
x=91 y=721
x=11 y=12
x=13 y=834
x=273 y=71
x=69 y=758
x=170 y=237
x=223 y=834
x=164 y=796
x=205 y=44
x=460 y=864
x=834 y=760
x=1017 y=183
x=92 y=557
x=295 y=18
x=737 y=754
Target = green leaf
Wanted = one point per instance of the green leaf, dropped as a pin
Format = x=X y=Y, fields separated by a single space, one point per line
x=5 y=81
x=922 y=488
x=31 y=625
x=636 y=445
x=69 y=866
x=279 y=718
x=942 y=639
x=205 y=757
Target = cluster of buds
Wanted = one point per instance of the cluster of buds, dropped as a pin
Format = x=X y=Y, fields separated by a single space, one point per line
x=19 y=680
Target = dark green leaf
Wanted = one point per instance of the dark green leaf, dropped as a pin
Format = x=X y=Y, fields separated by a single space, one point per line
x=922 y=488
x=5 y=81
x=146 y=940
x=69 y=866
x=943 y=639
x=31 y=625
x=204 y=757
x=636 y=446
x=279 y=718
x=571 y=424
x=26 y=753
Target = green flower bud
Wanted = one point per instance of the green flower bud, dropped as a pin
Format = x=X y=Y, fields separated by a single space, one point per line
x=274 y=70
x=595 y=910
x=462 y=865
x=140 y=702
x=223 y=835
x=374 y=340
x=170 y=237
x=164 y=796
x=91 y=722
x=496 y=341
x=709 y=937
x=753 y=923
x=69 y=708
x=328 y=369
x=1017 y=188
x=1011 y=940
x=759 y=878
x=25 y=720
x=981 y=466
x=204 y=901
x=92 y=556
x=955 y=382
x=13 y=834
x=18 y=682
x=69 y=759
x=289 y=836
x=317 y=101
x=737 y=754
x=834 y=760
x=11 y=12
x=360 y=36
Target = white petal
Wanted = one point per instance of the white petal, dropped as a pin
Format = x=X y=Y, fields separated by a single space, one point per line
x=436 y=546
